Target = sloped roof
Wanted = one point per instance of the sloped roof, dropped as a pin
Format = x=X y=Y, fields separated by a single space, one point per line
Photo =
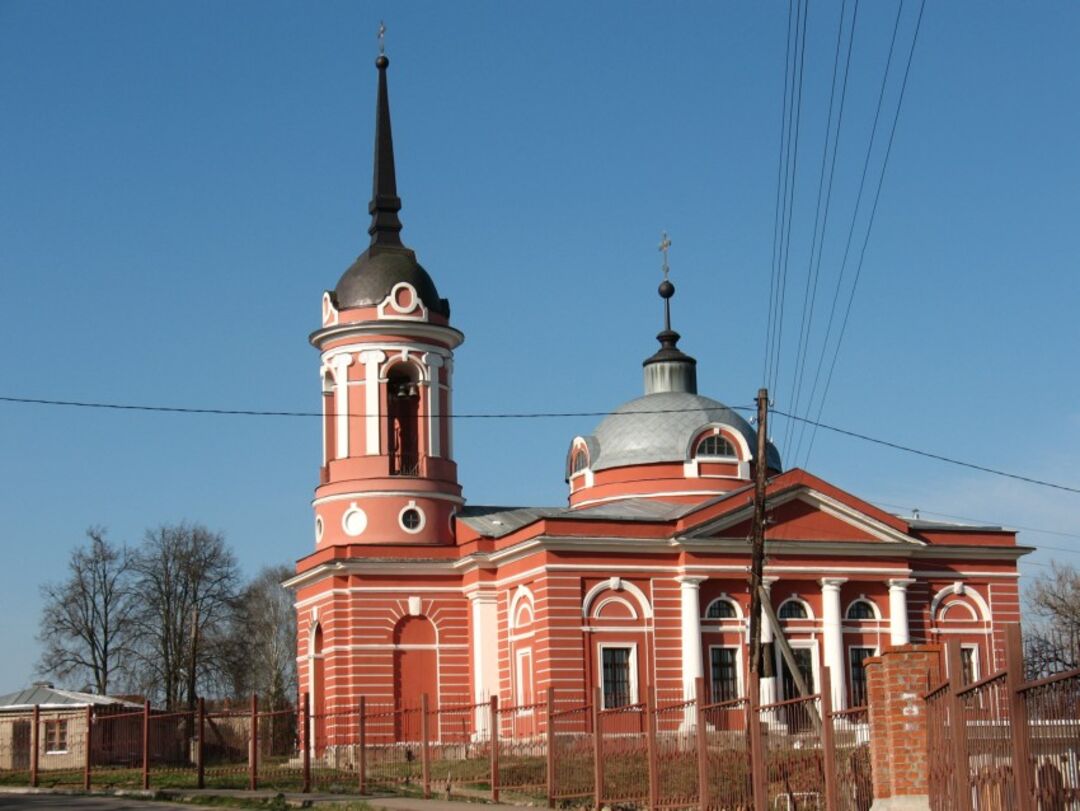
x=44 y=695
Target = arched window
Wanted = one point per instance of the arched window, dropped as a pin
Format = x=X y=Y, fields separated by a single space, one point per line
x=580 y=461
x=721 y=609
x=861 y=610
x=715 y=445
x=792 y=610
x=403 y=416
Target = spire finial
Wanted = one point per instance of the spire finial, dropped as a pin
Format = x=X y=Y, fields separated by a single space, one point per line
x=385 y=204
x=665 y=244
x=667 y=289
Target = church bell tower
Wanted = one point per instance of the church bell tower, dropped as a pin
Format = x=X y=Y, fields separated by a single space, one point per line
x=386 y=352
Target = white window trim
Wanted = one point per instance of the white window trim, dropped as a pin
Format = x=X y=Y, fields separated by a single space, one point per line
x=815 y=665
x=976 y=665
x=851 y=667
x=740 y=687
x=519 y=657
x=46 y=731
x=806 y=607
x=723 y=598
x=600 y=648
x=873 y=610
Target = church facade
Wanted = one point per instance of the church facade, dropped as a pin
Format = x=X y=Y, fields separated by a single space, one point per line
x=639 y=581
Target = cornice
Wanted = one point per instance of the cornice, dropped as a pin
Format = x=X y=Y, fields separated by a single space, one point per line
x=406 y=329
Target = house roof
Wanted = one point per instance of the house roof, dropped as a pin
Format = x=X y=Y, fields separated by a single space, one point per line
x=46 y=696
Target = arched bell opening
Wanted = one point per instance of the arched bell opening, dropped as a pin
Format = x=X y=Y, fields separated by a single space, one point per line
x=403 y=416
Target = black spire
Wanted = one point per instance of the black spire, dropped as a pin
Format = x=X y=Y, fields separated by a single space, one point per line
x=669 y=369
x=385 y=228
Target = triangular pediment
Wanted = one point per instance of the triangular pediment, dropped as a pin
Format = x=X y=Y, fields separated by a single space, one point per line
x=804 y=514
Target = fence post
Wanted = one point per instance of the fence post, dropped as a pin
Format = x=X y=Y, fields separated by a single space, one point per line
x=702 y=744
x=361 y=757
x=650 y=746
x=89 y=746
x=493 y=722
x=309 y=734
x=598 y=748
x=253 y=752
x=828 y=742
x=551 y=747
x=759 y=776
x=35 y=742
x=146 y=744
x=200 y=746
x=958 y=725
x=1023 y=777
x=425 y=754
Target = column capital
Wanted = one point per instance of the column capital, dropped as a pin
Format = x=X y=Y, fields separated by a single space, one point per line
x=900 y=583
x=690 y=581
x=482 y=596
x=368 y=356
x=341 y=360
x=767 y=581
x=832 y=582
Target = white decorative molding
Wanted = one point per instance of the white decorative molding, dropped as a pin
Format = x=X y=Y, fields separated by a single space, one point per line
x=318 y=529
x=620 y=585
x=329 y=311
x=959 y=588
x=522 y=592
x=340 y=364
x=433 y=362
x=410 y=307
x=411 y=505
x=371 y=358
x=354 y=520
x=414 y=606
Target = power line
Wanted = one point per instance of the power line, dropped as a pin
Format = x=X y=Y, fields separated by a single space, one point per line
x=870 y=223
x=991 y=523
x=251 y=412
x=531 y=415
x=931 y=455
x=770 y=324
x=810 y=293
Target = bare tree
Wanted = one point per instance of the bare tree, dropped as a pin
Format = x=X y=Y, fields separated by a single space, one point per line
x=1052 y=634
x=85 y=622
x=260 y=648
x=187 y=580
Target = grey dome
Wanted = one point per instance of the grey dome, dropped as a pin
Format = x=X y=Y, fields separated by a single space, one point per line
x=659 y=428
x=373 y=275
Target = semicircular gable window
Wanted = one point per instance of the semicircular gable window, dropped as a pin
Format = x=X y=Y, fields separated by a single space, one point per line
x=715 y=446
x=792 y=610
x=721 y=610
x=861 y=610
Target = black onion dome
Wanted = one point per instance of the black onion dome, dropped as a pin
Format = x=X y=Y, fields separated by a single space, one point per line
x=369 y=280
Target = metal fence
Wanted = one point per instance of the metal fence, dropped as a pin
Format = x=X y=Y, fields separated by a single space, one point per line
x=1002 y=743
x=567 y=749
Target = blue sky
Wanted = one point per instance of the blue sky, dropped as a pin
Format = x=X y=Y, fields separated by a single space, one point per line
x=179 y=182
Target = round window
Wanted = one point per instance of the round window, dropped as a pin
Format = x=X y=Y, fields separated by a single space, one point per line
x=411 y=519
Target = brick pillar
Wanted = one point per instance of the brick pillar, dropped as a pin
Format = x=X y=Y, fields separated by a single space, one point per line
x=896 y=682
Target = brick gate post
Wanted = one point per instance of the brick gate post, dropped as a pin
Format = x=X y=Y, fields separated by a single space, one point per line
x=896 y=681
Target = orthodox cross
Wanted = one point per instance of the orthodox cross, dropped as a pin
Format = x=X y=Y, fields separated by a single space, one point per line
x=382 y=37
x=665 y=243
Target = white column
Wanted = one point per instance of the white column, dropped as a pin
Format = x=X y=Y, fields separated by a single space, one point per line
x=691 y=631
x=371 y=358
x=434 y=363
x=448 y=364
x=833 y=635
x=485 y=650
x=340 y=364
x=767 y=686
x=898 y=611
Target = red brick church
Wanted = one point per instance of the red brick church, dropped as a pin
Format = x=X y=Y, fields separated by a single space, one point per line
x=641 y=579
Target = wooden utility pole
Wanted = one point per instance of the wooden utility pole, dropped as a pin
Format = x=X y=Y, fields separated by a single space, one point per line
x=757 y=538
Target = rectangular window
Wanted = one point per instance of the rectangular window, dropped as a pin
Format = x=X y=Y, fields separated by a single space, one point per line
x=56 y=736
x=858 y=674
x=969 y=660
x=725 y=674
x=616 y=675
